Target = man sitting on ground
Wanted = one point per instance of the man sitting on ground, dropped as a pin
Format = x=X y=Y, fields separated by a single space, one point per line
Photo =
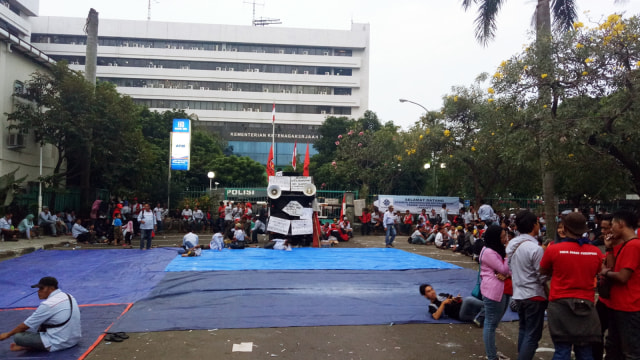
x=57 y=321
x=8 y=232
x=258 y=228
x=468 y=309
x=82 y=234
x=217 y=241
x=46 y=221
x=417 y=238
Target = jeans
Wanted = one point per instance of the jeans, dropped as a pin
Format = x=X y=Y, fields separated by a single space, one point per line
x=470 y=308
x=563 y=351
x=493 y=312
x=531 y=315
x=29 y=339
x=365 y=229
x=623 y=341
x=391 y=235
x=145 y=234
x=604 y=313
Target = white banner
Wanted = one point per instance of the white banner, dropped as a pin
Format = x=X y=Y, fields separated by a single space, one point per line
x=298 y=182
x=301 y=227
x=415 y=204
x=283 y=181
x=278 y=225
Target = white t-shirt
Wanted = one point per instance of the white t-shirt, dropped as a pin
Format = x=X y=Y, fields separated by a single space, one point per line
x=239 y=235
x=439 y=239
x=279 y=244
x=417 y=233
x=217 y=242
x=187 y=214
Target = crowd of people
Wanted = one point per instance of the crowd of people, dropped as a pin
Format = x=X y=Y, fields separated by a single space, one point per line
x=591 y=299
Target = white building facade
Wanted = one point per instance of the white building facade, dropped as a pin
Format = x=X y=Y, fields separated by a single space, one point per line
x=229 y=76
x=19 y=59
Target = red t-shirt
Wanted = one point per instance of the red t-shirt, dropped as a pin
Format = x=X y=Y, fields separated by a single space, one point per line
x=627 y=297
x=408 y=219
x=221 y=211
x=574 y=269
x=615 y=250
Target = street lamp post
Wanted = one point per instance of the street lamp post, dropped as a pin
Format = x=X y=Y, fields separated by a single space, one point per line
x=210 y=175
x=415 y=103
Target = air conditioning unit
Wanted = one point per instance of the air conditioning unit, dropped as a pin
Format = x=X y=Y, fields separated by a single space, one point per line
x=248 y=70
x=256 y=110
x=78 y=63
x=250 y=109
x=294 y=71
x=144 y=86
x=72 y=43
x=161 y=86
x=244 y=109
x=326 y=53
x=265 y=90
x=110 y=64
x=137 y=45
x=184 y=67
x=256 y=70
x=300 y=92
x=160 y=66
x=238 y=89
x=114 y=64
x=323 y=112
x=234 y=49
x=283 y=91
x=190 y=87
x=174 y=47
x=16 y=141
x=219 y=89
x=327 y=73
x=150 y=85
x=230 y=69
x=306 y=72
x=323 y=93
x=202 y=88
x=125 y=44
x=168 y=46
x=181 y=47
x=288 y=91
x=218 y=68
x=305 y=53
x=280 y=51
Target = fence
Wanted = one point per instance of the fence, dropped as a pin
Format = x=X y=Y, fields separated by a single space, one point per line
x=64 y=199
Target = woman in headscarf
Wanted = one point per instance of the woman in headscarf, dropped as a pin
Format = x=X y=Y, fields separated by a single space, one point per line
x=27 y=228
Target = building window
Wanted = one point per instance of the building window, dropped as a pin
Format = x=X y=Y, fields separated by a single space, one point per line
x=18 y=88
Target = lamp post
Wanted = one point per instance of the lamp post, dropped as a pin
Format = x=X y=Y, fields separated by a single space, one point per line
x=211 y=175
x=415 y=103
x=216 y=184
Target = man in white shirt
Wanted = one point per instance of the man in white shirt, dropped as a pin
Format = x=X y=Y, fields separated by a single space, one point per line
x=187 y=218
x=258 y=228
x=8 y=233
x=147 y=222
x=57 y=321
x=486 y=214
x=217 y=241
x=238 y=238
x=159 y=213
x=45 y=220
x=444 y=214
x=82 y=234
x=190 y=245
x=345 y=226
x=389 y=221
x=198 y=217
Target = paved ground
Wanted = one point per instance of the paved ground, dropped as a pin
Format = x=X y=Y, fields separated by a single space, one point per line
x=415 y=341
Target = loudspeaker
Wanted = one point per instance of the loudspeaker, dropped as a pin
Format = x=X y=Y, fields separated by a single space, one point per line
x=309 y=189
x=273 y=191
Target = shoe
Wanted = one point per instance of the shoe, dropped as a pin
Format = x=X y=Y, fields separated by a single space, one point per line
x=477 y=323
x=388 y=246
x=112 y=338
x=502 y=356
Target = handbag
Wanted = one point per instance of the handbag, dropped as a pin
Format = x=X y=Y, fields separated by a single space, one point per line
x=476 y=292
x=603 y=284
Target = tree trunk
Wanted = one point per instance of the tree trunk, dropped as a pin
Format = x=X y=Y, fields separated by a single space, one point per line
x=543 y=48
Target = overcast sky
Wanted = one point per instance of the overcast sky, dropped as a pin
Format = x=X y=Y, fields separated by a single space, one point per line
x=419 y=48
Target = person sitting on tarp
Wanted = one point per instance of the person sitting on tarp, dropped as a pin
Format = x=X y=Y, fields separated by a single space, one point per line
x=238 y=238
x=57 y=321
x=469 y=309
x=279 y=244
x=217 y=241
x=190 y=245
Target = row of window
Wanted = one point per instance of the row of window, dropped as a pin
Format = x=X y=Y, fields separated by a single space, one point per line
x=259 y=151
x=191 y=45
x=213 y=66
x=235 y=106
x=227 y=86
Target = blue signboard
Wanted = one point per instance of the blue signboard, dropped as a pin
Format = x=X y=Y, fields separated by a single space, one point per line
x=180 y=144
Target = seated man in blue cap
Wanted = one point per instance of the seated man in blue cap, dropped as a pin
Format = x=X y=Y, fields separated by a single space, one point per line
x=56 y=321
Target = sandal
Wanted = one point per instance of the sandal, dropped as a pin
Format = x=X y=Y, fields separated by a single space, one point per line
x=121 y=335
x=112 y=338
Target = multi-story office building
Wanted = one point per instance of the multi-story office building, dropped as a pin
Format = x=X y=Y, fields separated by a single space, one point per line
x=18 y=60
x=229 y=76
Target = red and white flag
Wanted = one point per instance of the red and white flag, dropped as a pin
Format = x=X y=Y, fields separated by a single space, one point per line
x=273 y=113
x=294 y=160
x=271 y=169
x=305 y=167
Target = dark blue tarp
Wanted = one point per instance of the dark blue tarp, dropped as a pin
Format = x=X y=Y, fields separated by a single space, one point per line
x=307 y=259
x=253 y=299
x=92 y=276
x=95 y=320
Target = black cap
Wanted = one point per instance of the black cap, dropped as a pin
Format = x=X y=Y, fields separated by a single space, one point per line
x=46 y=281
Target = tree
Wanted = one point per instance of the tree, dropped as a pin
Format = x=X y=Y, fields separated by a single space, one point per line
x=564 y=15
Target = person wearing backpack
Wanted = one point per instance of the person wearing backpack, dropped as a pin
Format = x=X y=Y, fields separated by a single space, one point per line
x=147 y=222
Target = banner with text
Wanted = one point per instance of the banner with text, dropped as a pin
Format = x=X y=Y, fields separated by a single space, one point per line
x=415 y=204
x=181 y=144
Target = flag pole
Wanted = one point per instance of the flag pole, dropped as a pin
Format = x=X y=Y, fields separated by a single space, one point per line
x=273 y=133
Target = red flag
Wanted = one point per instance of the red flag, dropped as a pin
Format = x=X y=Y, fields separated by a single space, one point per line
x=294 y=161
x=305 y=167
x=271 y=169
x=273 y=113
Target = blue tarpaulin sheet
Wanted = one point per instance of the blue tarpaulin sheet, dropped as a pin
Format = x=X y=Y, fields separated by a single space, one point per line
x=307 y=259
x=277 y=298
x=95 y=320
x=92 y=276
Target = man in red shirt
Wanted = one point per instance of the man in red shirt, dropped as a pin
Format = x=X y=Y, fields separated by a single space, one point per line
x=365 y=220
x=572 y=264
x=624 y=327
x=220 y=222
x=407 y=222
